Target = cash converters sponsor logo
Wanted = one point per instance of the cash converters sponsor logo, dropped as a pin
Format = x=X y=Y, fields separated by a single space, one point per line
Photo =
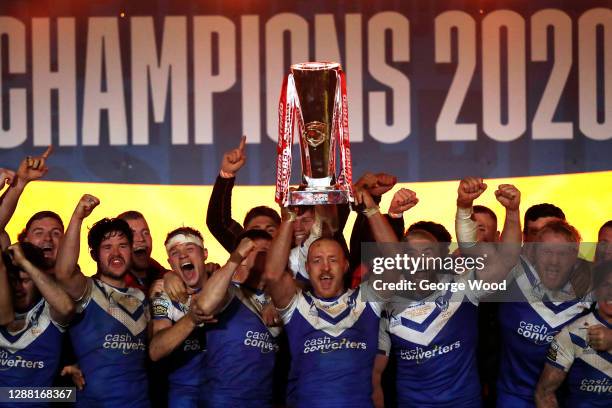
x=600 y=386
x=419 y=354
x=8 y=361
x=124 y=342
x=537 y=333
x=263 y=341
x=327 y=345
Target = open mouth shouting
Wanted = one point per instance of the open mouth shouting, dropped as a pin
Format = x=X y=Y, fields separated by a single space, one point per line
x=326 y=280
x=189 y=271
x=116 y=262
x=140 y=251
x=48 y=250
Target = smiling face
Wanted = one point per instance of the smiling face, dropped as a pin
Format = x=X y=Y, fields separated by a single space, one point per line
x=302 y=226
x=46 y=233
x=326 y=265
x=554 y=258
x=143 y=243
x=114 y=257
x=187 y=259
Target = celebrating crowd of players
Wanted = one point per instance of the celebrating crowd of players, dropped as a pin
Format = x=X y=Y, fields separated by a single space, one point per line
x=291 y=318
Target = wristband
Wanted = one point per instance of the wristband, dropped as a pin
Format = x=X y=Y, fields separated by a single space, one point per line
x=225 y=174
x=395 y=215
x=465 y=227
x=236 y=258
x=368 y=212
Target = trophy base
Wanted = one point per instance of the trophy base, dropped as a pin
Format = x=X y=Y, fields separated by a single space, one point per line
x=318 y=197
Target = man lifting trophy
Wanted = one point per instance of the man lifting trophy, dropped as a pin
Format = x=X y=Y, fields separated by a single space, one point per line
x=313 y=100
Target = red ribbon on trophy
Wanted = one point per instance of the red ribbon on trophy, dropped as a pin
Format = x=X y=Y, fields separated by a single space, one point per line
x=313 y=100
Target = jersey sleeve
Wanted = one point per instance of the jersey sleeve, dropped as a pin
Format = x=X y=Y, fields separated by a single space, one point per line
x=384 y=337
x=287 y=312
x=368 y=294
x=561 y=351
x=161 y=306
x=83 y=301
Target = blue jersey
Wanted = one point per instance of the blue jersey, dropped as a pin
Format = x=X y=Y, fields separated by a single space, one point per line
x=186 y=363
x=527 y=329
x=109 y=337
x=589 y=371
x=434 y=344
x=333 y=343
x=241 y=352
x=30 y=356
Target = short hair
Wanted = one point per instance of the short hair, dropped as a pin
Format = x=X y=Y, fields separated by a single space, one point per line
x=102 y=230
x=607 y=224
x=253 y=235
x=131 y=215
x=560 y=227
x=261 y=210
x=39 y=216
x=481 y=209
x=440 y=233
x=31 y=252
x=340 y=242
x=540 y=211
x=302 y=209
x=185 y=231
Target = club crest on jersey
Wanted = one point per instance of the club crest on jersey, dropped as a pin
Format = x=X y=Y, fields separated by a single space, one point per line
x=442 y=303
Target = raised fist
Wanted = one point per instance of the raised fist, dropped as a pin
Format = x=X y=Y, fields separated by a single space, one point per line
x=376 y=184
x=32 y=168
x=245 y=247
x=86 y=205
x=403 y=200
x=470 y=188
x=234 y=159
x=508 y=196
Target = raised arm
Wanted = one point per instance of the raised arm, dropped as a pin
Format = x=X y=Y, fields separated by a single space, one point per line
x=66 y=272
x=550 y=380
x=219 y=214
x=31 y=168
x=381 y=230
x=7 y=314
x=279 y=283
x=500 y=257
x=215 y=291
x=62 y=307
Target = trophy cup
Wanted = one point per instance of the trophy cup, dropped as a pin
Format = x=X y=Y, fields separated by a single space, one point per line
x=313 y=100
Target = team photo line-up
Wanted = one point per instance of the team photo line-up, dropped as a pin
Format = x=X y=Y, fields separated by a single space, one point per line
x=291 y=318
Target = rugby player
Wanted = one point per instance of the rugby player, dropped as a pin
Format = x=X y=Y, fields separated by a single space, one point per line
x=241 y=349
x=145 y=270
x=332 y=331
x=572 y=355
x=541 y=301
x=109 y=333
x=35 y=313
x=177 y=328
x=434 y=334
